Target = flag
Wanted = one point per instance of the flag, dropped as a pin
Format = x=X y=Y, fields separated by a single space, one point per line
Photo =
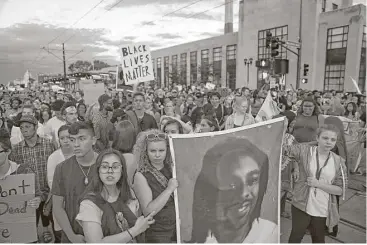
x=267 y=110
x=356 y=85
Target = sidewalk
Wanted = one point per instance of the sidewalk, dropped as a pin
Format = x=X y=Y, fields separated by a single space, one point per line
x=352 y=228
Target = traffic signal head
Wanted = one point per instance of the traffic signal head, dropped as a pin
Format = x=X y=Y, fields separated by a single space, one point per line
x=268 y=39
x=274 y=47
x=305 y=69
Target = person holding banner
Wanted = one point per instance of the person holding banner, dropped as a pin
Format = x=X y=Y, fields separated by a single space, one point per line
x=154 y=185
x=105 y=212
x=322 y=177
x=227 y=206
x=241 y=115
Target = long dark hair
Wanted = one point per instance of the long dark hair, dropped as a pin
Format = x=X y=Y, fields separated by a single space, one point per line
x=95 y=187
x=353 y=111
x=315 y=112
x=206 y=186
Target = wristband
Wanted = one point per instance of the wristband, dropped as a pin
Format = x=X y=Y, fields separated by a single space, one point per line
x=132 y=238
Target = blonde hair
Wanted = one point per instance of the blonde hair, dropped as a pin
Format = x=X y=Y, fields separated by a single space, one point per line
x=141 y=147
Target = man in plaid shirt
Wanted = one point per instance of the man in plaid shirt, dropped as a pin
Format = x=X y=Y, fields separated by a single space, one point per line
x=31 y=154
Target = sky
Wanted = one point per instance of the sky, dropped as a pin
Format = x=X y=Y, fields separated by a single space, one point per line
x=94 y=29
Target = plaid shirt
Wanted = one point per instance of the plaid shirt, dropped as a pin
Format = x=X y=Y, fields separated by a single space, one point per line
x=34 y=160
x=102 y=130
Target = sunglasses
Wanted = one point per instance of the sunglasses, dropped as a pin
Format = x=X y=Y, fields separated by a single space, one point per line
x=154 y=137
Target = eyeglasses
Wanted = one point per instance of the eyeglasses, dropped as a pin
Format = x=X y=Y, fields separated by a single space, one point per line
x=4 y=151
x=159 y=136
x=104 y=169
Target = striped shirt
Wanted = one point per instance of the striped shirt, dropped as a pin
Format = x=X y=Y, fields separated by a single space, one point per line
x=34 y=160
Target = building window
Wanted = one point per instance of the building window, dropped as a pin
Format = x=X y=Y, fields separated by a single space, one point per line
x=193 y=67
x=231 y=66
x=336 y=53
x=174 y=61
x=217 y=65
x=204 y=67
x=323 y=7
x=263 y=52
x=166 y=71
x=183 y=68
x=335 y=6
x=362 y=66
x=159 y=71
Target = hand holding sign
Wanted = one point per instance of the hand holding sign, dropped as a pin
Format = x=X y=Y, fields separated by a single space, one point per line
x=34 y=202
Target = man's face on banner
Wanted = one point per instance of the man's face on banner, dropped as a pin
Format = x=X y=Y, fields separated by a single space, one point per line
x=238 y=196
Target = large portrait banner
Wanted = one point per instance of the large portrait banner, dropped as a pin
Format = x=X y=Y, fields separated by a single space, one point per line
x=229 y=184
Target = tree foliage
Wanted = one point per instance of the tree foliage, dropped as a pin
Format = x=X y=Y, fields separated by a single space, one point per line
x=84 y=66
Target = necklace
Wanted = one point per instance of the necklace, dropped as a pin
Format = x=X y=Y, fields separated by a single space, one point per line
x=86 y=181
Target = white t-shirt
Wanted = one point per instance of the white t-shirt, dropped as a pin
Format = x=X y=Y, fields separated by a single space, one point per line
x=318 y=204
x=90 y=212
x=262 y=231
x=51 y=128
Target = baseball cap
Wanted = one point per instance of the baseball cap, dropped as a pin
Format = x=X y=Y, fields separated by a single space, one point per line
x=198 y=95
x=29 y=119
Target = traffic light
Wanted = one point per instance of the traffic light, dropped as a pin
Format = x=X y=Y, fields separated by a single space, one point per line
x=268 y=39
x=274 y=47
x=264 y=64
x=305 y=69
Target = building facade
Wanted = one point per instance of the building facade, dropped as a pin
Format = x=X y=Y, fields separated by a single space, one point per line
x=332 y=35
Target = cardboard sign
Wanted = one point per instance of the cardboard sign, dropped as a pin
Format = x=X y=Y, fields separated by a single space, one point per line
x=136 y=62
x=210 y=193
x=17 y=220
x=120 y=83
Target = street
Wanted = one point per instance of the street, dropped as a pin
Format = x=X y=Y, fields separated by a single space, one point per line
x=352 y=227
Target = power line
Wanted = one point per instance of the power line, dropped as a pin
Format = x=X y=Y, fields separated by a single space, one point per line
x=117 y=3
x=76 y=22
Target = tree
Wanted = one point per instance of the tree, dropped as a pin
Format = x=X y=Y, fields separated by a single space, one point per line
x=98 y=65
x=80 y=66
x=206 y=72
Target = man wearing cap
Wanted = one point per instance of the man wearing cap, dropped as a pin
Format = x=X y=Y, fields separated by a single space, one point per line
x=16 y=135
x=31 y=154
x=103 y=128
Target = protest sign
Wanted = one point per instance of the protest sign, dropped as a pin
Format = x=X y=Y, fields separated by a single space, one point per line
x=227 y=179
x=17 y=220
x=136 y=62
x=267 y=110
x=91 y=91
x=120 y=83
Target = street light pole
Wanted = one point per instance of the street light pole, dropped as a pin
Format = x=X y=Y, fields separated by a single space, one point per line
x=248 y=62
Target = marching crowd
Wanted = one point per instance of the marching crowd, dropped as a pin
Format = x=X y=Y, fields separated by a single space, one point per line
x=103 y=171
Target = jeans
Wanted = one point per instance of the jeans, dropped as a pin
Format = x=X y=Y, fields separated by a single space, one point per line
x=302 y=221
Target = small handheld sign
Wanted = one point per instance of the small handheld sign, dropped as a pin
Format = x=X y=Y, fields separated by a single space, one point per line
x=136 y=62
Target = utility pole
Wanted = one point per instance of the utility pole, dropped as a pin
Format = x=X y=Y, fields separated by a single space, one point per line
x=299 y=49
x=63 y=60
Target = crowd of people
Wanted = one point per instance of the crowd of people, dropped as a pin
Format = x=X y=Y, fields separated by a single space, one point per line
x=103 y=172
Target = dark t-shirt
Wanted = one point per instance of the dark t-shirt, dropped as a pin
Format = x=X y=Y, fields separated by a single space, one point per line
x=68 y=182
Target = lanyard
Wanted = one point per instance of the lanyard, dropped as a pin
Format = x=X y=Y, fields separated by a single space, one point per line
x=318 y=170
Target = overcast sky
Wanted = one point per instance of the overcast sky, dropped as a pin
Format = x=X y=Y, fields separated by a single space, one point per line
x=28 y=25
